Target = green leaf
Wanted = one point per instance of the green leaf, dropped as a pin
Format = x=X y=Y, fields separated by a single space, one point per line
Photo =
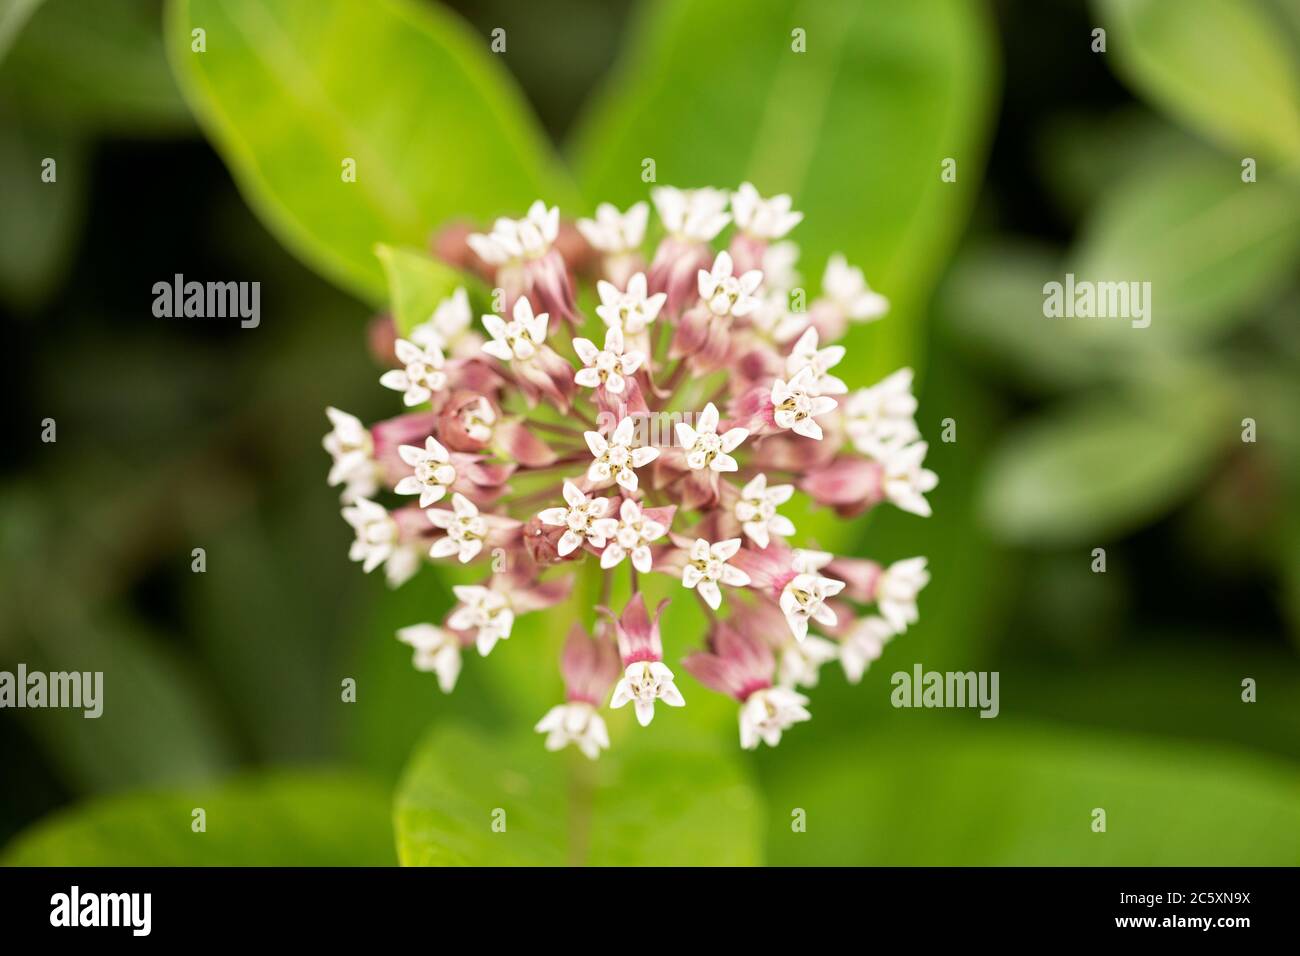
x=95 y=67
x=157 y=723
x=998 y=794
x=417 y=283
x=1104 y=465
x=992 y=305
x=855 y=129
x=1223 y=68
x=638 y=805
x=14 y=15
x=1211 y=246
x=288 y=91
x=284 y=819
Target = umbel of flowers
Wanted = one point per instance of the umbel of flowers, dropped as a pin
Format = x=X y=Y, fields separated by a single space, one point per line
x=662 y=435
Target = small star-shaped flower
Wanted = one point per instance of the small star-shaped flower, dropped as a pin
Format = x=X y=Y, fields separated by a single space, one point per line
x=631 y=538
x=707 y=567
x=465 y=528
x=583 y=520
x=615 y=233
x=704 y=447
x=484 y=611
x=520 y=338
x=631 y=310
x=434 y=473
x=609 y=366
x=804 y=599
x=726 y=294
x=795 y=407
x=615 y=458
x=764 y=218
x=422 y=374
x=756 y=511
x=806 y=355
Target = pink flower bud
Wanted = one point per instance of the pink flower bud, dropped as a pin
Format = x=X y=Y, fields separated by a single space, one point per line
x=859 y=575
x=850 y=485
x=589 y=666
x=737 y=665
x=638 y=635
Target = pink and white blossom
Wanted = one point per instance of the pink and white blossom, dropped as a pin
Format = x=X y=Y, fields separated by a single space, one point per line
x=631 y=537
x=434 y=472
x=796 y=404
x=615 y=459
x=607 y=368
x=706 y=569
x=704 y=447
x=539 y=456
x=437 y=649
x=583 y=520
x=756 y=510
x=421 y=375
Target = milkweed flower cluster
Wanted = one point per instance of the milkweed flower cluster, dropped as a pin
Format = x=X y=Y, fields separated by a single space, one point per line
x=642 y=415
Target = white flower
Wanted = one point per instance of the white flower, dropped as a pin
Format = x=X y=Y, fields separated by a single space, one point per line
x=583 y=520
x=465 y=528
x=845 y=286
x=707 y=567
x=434 y=473
x=794 y=407
x=801 y=660
x=807 y=561
x=353 y=452
x=643 y=683
x=422 y=375
x=763 y=218
x=513 y=239
x=615 y=233
x=863 y=645
x=766 y=713
x=574 y=723
x=906 y=482
x=615 y=458
x=436 y=649
x=519 y=338
x=449 y=325
x=632 y=536
x=705 y=448
x=377 y=533
x=632 y=310
x=726 y=294
x=879 y=419
x=806 y=355
x=804 y=599
x=378 y=541
x=608 y=366
x=477 y=418
x=484 y=611
x=779 y=261
x=756 y=510
x=896 y=591
x=692 y=214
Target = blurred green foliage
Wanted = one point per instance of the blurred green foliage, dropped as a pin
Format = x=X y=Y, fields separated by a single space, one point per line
x=469 y=799
x=281 y=819
x=290 y=91
x=1069 y=437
